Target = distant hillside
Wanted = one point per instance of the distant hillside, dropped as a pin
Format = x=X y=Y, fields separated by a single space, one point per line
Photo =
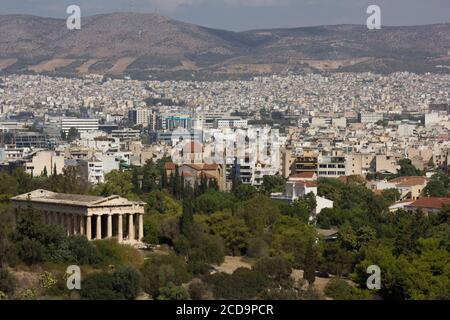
x=147 y=44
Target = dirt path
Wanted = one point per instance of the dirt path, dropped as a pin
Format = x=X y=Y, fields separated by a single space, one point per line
x=231 y=264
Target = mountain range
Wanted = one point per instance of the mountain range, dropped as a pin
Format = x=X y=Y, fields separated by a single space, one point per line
x=150 y=45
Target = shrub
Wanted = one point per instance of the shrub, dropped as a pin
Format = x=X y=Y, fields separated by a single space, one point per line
x=159 y=270
x=257 y=248
x=173 y=292
x=47 y=280
x=99 y=286
x=338 y=289
x=198 y=290
x=242 y=284
x=112 y=253
x=28 y=294
x=31 y=251
x=126 y=282
x=275 y=268
x=209 y=250
x=82 y=251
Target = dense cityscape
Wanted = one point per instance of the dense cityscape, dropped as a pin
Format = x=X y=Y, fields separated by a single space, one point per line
x=337 y=157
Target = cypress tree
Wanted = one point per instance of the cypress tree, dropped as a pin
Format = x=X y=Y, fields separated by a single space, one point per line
x=310 y=264
x=44 y=172
x=187 y=218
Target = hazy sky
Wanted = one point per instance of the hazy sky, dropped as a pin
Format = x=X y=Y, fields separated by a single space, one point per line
x=250 y=14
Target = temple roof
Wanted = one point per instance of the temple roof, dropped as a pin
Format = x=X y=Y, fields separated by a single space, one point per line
x=45 y=196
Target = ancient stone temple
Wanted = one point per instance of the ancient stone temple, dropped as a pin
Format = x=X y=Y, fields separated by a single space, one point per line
x=95 y=217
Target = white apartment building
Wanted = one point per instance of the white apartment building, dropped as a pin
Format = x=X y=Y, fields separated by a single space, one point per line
x=11 y=152
x=92 y=170
x=231 y=123
x=82 y=125
x=333 y=166
x=127 y=134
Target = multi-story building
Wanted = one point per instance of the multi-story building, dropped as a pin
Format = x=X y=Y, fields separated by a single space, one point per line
x=308 y=162
x=92 y=170
x=207 y=119
x=153 y=121
x=232 y=122
x=386 y=164
x=329 y=121
x=173 y=137
x=31 y=140
x=140 y=116
x=370 y=117
x=331 y=166
x=171 y=123
x=82 y=125
x=126 y=135
x=115 y=117
x=359 y=164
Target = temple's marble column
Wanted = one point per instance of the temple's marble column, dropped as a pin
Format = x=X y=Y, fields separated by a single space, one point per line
x=130 y=227
x=110 y=233
x=76 y=225
x=99 y=228
x=88 y=228
x=69 y=224
x=141 y=226
x=120 y=228
x=82 y=224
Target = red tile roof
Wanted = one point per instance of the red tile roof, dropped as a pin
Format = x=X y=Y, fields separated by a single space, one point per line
x=308 y=184
x=195 y=166
x=430 y=203
x=207 y=166
x=304 y=175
